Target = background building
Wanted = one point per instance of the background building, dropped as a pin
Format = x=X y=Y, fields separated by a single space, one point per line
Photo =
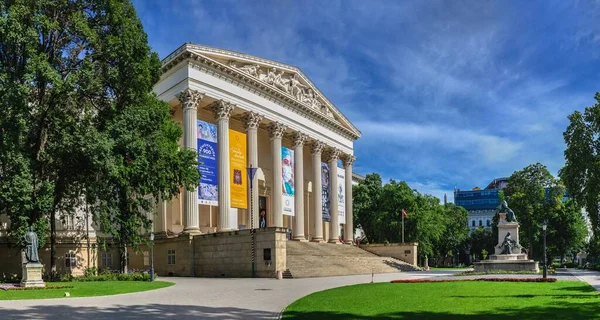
x=481 y=204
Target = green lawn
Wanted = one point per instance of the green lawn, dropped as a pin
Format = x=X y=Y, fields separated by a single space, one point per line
x=451 y=300
x=84 y=289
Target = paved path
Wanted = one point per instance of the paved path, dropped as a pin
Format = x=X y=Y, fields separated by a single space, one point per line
x=194 y=298
x=589 y=276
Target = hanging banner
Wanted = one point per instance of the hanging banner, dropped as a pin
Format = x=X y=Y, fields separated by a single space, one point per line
x=287 y=183
x=325 y=191
x=208 y=192
x=237 y=170
x=341 y=193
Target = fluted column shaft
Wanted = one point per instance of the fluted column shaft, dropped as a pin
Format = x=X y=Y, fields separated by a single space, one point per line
x=298 y=230
x=222 y=111
x=252 y=121
x=160 y=219
x=276 y=131
x=349 y=230
x=316 y=148
x=190 y=99
x=334 y=225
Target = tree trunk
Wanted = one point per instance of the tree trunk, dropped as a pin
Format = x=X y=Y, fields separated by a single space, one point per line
x=530 y=244
x=53 y=245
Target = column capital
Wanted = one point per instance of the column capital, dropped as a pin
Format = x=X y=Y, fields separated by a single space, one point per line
x=222 y=109
x=190 y=98
x=299 y=138
x=251 y=120
x=333 y=154
x=316 y=147
x=276 y=130
x=348 y=160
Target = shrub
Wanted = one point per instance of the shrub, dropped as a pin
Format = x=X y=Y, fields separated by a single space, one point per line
x=108 y=275
x=570 y=264
x=555 y=265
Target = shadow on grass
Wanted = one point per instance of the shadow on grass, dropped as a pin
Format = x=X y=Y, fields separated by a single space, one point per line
x=135 y=312
x=563 y=311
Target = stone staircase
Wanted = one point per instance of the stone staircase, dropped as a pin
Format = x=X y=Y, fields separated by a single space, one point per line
x=308 y=259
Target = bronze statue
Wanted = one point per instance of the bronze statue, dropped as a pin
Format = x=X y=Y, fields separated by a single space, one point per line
x=503 y=208
x=31 y=249
x=508 y=244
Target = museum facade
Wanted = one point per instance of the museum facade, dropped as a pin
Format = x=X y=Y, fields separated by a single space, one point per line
x=239 y=112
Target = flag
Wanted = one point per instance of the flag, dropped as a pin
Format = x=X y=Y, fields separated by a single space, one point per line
x=404 y=213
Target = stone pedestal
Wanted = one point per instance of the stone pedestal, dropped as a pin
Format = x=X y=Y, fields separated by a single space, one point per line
x=32 y=275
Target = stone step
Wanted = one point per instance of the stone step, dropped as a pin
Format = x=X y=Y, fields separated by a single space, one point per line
x=325 y=259
x=287 y=274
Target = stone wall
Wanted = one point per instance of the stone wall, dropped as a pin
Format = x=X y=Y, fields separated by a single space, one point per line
x=406 y=252
x=228 y=254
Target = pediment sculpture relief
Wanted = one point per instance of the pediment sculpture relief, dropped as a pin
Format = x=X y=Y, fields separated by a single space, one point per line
x=288 y=83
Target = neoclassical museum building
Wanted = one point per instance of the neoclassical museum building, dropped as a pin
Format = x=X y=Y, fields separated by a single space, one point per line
x=240 y=111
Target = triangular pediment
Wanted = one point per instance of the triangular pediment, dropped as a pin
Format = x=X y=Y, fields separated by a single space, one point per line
x=285 y=79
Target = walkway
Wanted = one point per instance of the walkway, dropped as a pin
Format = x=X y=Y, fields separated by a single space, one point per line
x=194 y=298
x=589 y=276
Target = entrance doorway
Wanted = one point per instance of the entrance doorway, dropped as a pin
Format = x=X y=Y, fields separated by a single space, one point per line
x=262 y=212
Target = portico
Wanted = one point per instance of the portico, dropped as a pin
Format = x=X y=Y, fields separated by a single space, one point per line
x=285 y=119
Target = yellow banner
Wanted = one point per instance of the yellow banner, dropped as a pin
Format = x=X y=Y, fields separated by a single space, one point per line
x=237 y=170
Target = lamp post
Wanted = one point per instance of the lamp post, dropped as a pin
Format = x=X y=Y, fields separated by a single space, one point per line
x=251 y=172
x=544 y=226
x=151 y=256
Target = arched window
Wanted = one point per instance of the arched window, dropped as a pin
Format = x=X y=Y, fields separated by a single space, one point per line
x=473 y=223
x=488 y=223
x=481 y=223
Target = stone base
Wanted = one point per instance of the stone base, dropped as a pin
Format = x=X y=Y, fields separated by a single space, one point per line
x=506 y=265
x=519 y=256
x=32 y=275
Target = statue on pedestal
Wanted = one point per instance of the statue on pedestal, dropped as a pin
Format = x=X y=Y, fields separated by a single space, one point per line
x=31 y=249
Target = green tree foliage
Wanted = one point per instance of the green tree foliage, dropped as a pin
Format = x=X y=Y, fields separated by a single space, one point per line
x=79 y=123
x=567 y=229
x=581 y=173
x=481 y=239
x=527 y=191
x=378 y=210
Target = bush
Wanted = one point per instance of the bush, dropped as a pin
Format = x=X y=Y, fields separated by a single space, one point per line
x=555 y=265
x=570 y=265
x=108 y=275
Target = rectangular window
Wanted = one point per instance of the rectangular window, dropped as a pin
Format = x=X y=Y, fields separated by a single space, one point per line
x=106 y=260
x=146 y=258
x=70 y=260
x=171 y=256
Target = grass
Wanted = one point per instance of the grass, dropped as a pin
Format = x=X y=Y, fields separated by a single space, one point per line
x=451 y=300
x=84 y=289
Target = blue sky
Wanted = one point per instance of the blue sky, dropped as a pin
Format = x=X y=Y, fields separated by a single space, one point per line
x=445 y=93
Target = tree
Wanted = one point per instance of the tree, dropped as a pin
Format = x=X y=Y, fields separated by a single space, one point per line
x=527 y=191
x=481 y=239
x=581 y=173
x=378 y=210
x=79 y=123
x=567 y=229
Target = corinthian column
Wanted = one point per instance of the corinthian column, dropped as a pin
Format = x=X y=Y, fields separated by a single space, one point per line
x=334 y=225
x=276 y=130
x=299 y=139
x=251 y=121
x=189 y=100
x=316 y=148
x=222 y=111
x=348 y=160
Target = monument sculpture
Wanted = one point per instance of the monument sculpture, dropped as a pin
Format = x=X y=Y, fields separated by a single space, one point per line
x=508 y=253
x=32 y=268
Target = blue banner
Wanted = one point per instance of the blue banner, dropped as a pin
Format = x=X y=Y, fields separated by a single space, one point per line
x=208 y=192
x=325 y=191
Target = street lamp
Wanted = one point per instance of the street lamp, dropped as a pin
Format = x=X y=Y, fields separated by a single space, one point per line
x=251 y=172
x=544 y=226
x=151 y=256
